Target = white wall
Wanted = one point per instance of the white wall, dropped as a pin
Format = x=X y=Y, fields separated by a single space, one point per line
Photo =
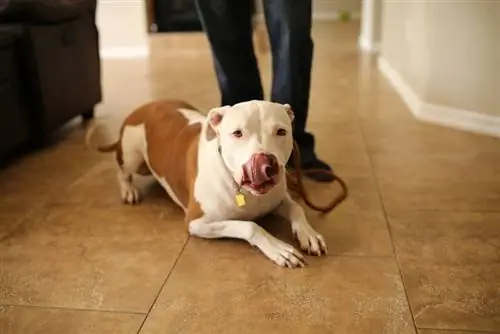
x=444 y=59
x=122 y=28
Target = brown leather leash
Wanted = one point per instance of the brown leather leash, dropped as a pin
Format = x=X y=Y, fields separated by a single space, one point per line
x=295 y=184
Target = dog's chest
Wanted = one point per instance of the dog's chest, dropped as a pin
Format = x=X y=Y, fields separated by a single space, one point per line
x=255 y=207
x=224 y=205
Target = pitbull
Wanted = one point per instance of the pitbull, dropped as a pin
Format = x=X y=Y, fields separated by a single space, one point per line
x=224 y=170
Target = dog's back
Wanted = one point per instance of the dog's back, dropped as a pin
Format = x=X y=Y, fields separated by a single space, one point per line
x=172 y=130
x=159 y=138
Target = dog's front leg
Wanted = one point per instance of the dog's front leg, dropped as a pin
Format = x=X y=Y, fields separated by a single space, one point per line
x=281 y=253
x=310 y=240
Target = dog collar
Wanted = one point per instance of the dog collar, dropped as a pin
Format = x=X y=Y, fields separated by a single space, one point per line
x=239 y=197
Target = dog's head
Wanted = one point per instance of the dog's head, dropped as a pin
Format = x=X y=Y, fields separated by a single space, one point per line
x=255 y=141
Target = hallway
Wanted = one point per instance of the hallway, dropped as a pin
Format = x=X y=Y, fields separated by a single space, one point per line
x=414 y=249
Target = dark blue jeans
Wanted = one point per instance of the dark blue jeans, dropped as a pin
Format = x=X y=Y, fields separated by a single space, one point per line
x=228 y=25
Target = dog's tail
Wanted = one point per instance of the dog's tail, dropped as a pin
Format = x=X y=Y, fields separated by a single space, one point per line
x=91 y=142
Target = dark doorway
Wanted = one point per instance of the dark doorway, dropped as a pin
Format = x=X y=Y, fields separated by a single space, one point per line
x=176 y=15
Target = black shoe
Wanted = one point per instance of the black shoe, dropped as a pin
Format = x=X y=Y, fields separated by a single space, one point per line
x=316 y=170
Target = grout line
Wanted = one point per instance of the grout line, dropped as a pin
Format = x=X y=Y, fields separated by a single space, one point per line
x=163 y=285
x=73 y=309
x=454 y=330
x=396 y=211
x=384 y=211
x=356 y=256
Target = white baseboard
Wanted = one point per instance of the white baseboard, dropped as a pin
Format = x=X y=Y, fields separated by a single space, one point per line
x=442 y=115
x=368 y=45
x=140 y=52
x=124 y=52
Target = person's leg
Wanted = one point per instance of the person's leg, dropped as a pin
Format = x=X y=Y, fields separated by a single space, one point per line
x=289 y=26
x=228 y=25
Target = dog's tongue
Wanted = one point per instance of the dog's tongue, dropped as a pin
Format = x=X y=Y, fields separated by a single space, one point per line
x=256 y=170
x=260 y=174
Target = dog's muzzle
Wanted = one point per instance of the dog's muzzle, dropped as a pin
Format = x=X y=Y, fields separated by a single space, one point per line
x=261 y=168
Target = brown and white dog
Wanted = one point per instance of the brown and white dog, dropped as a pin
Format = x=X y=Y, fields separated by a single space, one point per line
x=224 y=170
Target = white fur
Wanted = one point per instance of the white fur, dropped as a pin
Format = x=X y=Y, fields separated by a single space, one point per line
x=133 y=141
x=275 y=249
x=193 y=116
x=258 y=121
x=168 y=189
x=309 y=240
x=135 y=152
x=215 y=187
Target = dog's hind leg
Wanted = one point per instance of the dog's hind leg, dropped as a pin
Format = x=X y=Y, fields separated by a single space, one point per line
x=129 y=192
x=130 y=160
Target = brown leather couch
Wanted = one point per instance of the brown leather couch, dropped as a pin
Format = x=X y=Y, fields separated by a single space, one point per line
x=49 y=68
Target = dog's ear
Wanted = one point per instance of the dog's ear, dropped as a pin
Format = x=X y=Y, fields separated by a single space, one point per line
x=214 y=118
x=289 y=111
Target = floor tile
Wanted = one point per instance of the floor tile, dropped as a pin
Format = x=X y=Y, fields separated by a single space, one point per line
x=382 y=105
x=44 y=175
x=218 y=287
x=136 y=74
x=362 y=194
x=32 y=320
x=341 y=145
x=339 y=137
x=8 y=222
x=67 y=241
x=451 y=268
x=355 y=227
x=347 y=233
x=12 y=215
x=331 y=108
x=102 y=180
x=463 y=182
x=437 y=331
x=361 y=233
x=419 y=137
x=90 y=257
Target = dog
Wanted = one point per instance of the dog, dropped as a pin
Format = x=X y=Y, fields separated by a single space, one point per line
x=225 y=170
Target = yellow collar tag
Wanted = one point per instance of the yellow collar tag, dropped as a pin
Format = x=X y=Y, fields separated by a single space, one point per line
x=240 y=199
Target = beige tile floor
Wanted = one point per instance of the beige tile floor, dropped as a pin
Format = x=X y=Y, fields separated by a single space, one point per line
x=415 y=248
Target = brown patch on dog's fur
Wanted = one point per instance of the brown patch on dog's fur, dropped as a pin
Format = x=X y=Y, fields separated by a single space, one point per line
x=138 y=116
x=172 y=148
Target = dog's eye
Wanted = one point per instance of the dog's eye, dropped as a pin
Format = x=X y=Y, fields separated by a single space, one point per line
x=281 y=132
x=237 y=133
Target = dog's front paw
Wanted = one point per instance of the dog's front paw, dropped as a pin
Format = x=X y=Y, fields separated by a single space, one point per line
x=130 y=194
x=310 y=241
x=282 y=253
